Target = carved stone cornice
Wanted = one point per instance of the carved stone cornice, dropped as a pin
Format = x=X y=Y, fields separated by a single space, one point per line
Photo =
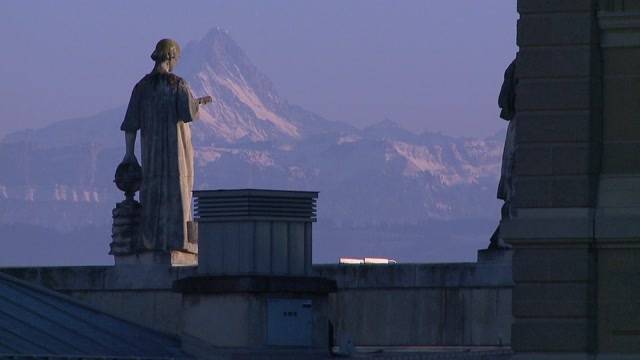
x=619 y=28
x=612 y=5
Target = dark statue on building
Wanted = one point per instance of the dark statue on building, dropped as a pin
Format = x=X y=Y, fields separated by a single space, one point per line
x=161 y=107
x=506 y=190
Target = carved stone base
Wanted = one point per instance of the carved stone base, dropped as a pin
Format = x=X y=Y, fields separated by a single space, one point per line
x=143 y=258
x=174 y=258
x=127 y=247
x=125 y=231
x=181 y=258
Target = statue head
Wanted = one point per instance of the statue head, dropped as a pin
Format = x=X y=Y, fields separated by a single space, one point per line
x=167 y=50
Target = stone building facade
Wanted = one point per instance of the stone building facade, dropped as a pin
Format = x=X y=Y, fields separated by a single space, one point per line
x=577 y=176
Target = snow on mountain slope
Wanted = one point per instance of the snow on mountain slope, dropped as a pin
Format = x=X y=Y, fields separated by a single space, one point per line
x=246 y=105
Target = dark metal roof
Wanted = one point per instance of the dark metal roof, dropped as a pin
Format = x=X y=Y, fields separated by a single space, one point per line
x=37 y=322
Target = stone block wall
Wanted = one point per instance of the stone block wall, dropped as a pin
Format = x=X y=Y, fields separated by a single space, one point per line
x=558 y=162
x=421 y=304
x=558 y=103
x=577 y=231
x=459 y=304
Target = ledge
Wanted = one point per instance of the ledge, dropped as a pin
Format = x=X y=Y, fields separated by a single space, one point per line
x=619 y=29
x=418 y=276
x=103 y=278
x=254 y=284
x=346 y=277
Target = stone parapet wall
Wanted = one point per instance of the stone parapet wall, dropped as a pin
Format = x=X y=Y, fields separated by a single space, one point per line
x=446 y=275
x=457 y=304
x=102 y=278
x=142 y=295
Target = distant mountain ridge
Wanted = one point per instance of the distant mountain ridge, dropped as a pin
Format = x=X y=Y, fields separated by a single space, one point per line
x=61 y=176
x=247 y=106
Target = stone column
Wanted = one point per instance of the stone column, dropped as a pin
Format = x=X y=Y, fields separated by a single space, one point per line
x=618 y=213
x=559 y=121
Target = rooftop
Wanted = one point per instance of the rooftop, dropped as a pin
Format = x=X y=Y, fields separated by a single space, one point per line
x=36 y=322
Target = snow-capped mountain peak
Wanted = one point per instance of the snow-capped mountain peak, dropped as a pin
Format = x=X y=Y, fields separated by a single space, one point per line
x=246 y=105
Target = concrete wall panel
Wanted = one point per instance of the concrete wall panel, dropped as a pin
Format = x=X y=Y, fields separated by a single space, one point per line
x=279 y=248
x=263 y=246
x=230 y=248
x=296 y=248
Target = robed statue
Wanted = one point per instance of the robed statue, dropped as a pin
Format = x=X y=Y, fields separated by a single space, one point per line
x=506 y=188
x=162 y=108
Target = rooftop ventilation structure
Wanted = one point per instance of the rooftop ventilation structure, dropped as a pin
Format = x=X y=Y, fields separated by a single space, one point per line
x=265 y=232
x=254 y=291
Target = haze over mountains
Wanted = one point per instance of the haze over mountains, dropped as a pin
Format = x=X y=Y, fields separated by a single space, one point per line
x=384 y=191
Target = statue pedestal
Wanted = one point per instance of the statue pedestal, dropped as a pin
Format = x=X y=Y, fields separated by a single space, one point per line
x=174 y=258
x=126 y=246
x=125 y=231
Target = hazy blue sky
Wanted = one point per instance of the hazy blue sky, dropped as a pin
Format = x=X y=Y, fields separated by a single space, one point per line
x=427 y=64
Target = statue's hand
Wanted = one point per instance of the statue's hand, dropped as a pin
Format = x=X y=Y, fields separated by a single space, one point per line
x=129 y=159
